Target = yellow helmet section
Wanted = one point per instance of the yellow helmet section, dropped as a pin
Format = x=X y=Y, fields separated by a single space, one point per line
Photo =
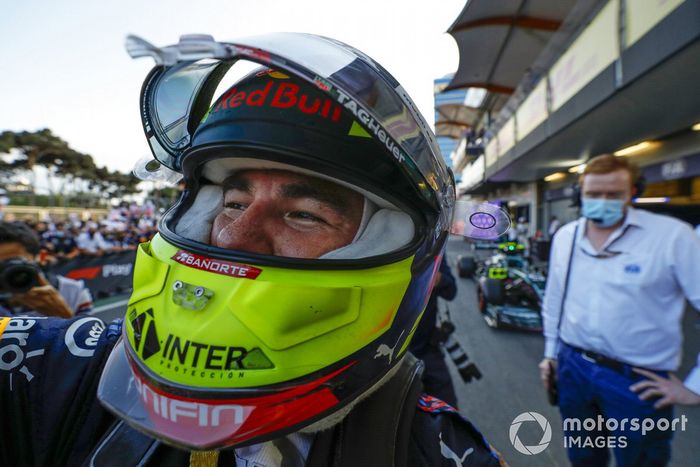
x=204 y=322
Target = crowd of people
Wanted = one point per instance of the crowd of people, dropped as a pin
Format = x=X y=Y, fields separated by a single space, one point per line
x=124 y=227
x=50 y=250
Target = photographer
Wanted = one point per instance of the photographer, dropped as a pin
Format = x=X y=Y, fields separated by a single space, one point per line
x=23 y=286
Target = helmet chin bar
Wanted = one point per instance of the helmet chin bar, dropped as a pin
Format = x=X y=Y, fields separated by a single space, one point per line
x=194 y=422
x=198 y=421
x=338 y=416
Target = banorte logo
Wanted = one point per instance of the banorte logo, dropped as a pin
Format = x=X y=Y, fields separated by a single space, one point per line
x=530 y=417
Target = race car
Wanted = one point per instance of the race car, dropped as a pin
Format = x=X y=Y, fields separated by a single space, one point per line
x=509 y=288
x=467 y=266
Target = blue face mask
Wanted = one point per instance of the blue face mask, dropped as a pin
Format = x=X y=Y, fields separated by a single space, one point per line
x=604 y=212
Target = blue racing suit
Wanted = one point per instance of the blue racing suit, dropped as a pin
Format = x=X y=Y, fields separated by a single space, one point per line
x=49 y=413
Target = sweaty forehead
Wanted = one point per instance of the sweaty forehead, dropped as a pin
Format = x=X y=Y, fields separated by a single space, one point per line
x=286 y=184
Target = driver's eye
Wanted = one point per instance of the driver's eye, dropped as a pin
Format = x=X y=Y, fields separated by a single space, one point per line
x=235 y=205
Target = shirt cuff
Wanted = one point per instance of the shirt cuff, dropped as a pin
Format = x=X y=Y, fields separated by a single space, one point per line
x=551 y=347
x=692 y=382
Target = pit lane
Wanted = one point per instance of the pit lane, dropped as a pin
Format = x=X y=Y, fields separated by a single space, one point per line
x=511 y=385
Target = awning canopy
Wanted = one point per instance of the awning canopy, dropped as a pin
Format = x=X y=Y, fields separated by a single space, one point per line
x=454 y=119
x=499 y=40
x=449 y=130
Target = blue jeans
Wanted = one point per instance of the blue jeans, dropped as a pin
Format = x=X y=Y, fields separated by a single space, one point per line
x=588 y=390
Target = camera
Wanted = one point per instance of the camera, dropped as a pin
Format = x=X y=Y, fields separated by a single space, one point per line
x=467 y=370
x=17 y=275
x=443 y=335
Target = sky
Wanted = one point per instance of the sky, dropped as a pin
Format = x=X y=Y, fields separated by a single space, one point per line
x=63 y=64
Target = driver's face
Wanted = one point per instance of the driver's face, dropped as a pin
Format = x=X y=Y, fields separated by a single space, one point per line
x=282 y=213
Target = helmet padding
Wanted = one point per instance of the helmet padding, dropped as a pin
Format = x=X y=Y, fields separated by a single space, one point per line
x=380 y=231
x=195 y=223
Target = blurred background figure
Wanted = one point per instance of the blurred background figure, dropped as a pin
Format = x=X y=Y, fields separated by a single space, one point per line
x=91 y=242
x=24 y=288
x=59 y=243
x=426 y=344
x=554 y=225
x=522 y=231
x=4 y=201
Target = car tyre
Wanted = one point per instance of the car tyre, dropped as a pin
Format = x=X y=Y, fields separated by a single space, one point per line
x=493 y=290
x=466 y=266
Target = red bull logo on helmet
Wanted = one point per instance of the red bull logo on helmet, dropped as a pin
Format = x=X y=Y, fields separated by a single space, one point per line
x=279 y=93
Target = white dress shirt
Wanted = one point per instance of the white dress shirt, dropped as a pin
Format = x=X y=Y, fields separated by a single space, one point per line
x=91 y=243
x=629 y=304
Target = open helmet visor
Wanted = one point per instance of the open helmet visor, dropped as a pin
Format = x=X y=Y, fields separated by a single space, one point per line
x=178 y=93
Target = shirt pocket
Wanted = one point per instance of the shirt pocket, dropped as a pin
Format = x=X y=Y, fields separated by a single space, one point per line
x=633 y=270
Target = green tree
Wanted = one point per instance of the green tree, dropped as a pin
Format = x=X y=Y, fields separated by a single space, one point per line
x=77 y=174
x=40 y=147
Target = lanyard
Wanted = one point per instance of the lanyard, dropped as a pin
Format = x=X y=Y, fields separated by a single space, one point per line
x=566 y=280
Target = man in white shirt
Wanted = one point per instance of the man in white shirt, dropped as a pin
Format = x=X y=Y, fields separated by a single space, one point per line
x=91 y=242
x=554 y=225
x=612 y=312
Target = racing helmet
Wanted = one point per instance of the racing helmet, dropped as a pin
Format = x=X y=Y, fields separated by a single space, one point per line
x=231 y=344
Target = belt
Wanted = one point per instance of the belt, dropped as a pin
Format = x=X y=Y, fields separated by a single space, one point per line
x=607 y=362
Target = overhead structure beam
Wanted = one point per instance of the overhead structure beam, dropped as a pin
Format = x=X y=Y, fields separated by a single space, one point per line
x=525 y=22
x=488 y=86
x=453 y=122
